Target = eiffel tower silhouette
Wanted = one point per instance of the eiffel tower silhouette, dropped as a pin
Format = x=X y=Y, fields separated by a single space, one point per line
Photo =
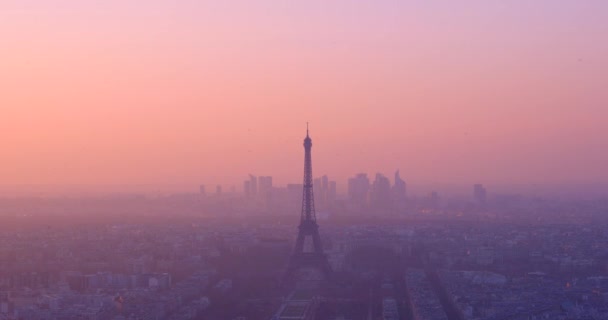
x=301 y=257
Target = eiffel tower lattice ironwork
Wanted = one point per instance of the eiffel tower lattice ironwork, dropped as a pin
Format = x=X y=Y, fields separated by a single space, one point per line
x=304 y=257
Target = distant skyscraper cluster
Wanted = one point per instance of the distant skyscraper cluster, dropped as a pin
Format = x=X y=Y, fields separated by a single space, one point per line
x=399 y=187
x=258 y=189
x=325 y=191
x=358 y=189
x=362 y=193
x=379 y=194
x=250 y=187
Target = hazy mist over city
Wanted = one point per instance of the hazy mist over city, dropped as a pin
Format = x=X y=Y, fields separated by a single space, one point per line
x=282 y=160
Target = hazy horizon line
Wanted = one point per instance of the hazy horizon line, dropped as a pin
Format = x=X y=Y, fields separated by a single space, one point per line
x=413 y=188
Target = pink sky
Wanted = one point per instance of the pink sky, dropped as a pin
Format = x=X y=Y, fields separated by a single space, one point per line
x=189 y=92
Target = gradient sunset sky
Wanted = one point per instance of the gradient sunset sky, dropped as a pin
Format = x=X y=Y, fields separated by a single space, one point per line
x=122 y=92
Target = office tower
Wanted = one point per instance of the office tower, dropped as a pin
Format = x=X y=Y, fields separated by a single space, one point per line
x=324 y=188
x=321 y=186
x=399 y=188
x=318 y=186
x=479 y=193
x=254 y=185
x=303 y=257
x=398 y=193
x=358 y=188
x=380 y=197
x=201 y=189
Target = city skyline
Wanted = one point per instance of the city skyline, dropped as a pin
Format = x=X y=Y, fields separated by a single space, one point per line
x=341 y=185
x=414 y=188
x=151 y=160
x=168 y=94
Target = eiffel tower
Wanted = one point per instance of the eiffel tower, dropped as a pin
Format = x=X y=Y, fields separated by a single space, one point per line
x=309 y=229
